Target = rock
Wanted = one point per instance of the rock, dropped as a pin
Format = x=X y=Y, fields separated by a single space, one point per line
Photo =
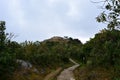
x=24 y=64
x=35 y=70
x=42 y=71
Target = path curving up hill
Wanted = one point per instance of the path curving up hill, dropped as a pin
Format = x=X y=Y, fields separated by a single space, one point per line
x=67 y=74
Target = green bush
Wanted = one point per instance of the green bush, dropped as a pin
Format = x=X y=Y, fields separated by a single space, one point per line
x=104 y=48
x=7 y=65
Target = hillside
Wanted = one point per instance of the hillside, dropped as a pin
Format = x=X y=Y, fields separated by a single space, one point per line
x=34 y=60
x=99 y=57
x=102 y=57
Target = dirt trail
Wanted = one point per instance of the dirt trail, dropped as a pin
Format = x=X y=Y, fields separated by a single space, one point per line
x=67 y=74
x=53 y=74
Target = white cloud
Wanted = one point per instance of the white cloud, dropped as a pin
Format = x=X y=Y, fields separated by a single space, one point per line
x=73 y=8
x=51 y=1
x=49 y=18
x=17 y=13
x=49 y=22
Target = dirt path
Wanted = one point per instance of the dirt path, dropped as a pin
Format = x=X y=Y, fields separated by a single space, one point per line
x=53 y=74
x=67 y=74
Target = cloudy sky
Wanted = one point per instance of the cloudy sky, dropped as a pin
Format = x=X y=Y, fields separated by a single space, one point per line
x=41 y=19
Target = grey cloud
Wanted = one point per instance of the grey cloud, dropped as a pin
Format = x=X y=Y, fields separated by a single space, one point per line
x=39 y=19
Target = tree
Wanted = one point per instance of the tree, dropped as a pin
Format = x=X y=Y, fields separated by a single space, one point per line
x=2 y=35
x=7 y=51
x=110 y=14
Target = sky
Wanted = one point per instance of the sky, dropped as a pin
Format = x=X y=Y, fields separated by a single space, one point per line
x=37 y=20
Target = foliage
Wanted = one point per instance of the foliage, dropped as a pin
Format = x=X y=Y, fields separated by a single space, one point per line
x=104 y=48
x=2 y=35
x=7 y=53
x=111 y=14
x=7 y=65
x=49 y=52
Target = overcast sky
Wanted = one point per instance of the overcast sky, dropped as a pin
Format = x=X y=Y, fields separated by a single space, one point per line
x=41 y=19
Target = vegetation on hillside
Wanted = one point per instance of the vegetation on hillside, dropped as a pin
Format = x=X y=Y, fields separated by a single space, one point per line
x=51 y=53
x=101 y=53
x=7 y=53
x=100 y=56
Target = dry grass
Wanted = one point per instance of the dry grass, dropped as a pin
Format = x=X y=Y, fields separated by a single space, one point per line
x=98 y=73
x=29 y=74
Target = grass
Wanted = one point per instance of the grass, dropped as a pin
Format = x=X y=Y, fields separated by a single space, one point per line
x=29 y=74
x=97 y=73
